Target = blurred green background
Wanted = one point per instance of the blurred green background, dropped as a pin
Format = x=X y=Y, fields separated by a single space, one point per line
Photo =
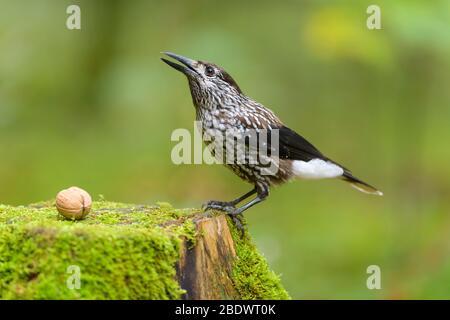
x=96 y=107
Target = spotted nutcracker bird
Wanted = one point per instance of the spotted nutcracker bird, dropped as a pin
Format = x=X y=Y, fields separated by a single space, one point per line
x=221 y=105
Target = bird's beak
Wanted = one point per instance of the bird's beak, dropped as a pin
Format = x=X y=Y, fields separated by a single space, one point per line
x=188 y=66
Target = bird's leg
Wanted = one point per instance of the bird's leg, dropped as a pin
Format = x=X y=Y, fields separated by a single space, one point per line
x=236 y=213
x=221 y=205
x=263 y=193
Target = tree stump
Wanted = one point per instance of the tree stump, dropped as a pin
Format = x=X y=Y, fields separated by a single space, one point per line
x=205 y=271
x=122 y=251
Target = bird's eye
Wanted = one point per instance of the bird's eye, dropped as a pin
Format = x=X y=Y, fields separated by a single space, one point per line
x=209 y=71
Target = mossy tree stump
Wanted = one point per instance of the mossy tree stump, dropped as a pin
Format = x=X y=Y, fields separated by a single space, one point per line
x=122 y=251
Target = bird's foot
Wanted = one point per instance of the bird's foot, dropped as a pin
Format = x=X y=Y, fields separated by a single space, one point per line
x=230 y=209
x=219 y=205
x=237 y=220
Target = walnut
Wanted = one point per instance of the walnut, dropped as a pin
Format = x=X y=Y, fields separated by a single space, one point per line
x=73 y=203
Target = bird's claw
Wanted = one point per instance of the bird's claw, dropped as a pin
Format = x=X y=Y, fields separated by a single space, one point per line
x=229 y=209
x=219 y=205
x=237 y=220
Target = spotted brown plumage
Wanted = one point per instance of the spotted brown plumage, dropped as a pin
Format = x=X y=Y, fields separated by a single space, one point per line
x=221 y=107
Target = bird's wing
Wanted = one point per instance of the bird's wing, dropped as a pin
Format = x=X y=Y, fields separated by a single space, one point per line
x=294 y=147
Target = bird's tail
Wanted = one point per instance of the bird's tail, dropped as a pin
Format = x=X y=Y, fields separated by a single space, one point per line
x=360 y=185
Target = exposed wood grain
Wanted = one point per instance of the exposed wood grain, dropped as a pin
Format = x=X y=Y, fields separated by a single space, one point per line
x=204 y=270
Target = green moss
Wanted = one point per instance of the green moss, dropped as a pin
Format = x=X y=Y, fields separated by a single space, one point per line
x=251 y=273
x=123 y=252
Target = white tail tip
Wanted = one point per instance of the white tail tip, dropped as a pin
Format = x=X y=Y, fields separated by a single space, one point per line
x=366 y=189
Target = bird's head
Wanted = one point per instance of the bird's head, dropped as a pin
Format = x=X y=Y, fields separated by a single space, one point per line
x=206 y=80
